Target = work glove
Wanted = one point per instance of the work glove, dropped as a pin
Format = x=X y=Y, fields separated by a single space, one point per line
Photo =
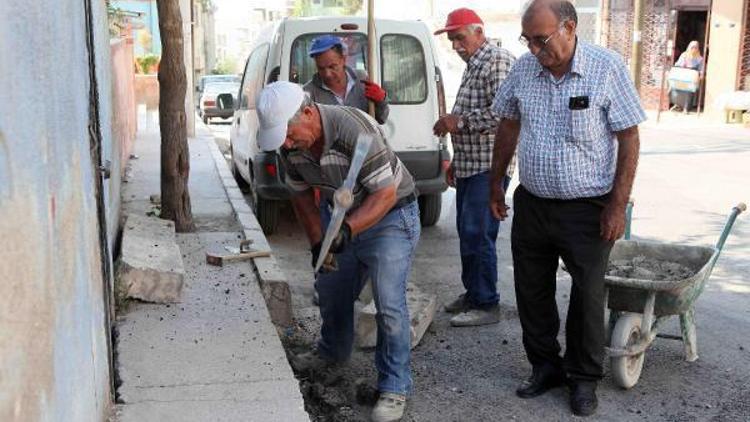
x=342 y=239
x=374 y=92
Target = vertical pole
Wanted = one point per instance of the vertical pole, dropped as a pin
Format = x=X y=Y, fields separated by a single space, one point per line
x=664 y=61
x=702 y=80
x=371 y=45
x=604 y=24
x=636 y=54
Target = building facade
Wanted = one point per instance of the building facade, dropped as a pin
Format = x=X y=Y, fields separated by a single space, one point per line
x=722 y=27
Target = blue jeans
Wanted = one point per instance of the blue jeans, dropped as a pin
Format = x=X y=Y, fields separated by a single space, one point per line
x=383 y=252
x=477 y=232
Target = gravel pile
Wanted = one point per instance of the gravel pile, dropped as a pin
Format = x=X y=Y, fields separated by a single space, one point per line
x=648 y=269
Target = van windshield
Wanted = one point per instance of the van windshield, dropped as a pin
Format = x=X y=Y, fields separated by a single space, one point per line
x=303 y=66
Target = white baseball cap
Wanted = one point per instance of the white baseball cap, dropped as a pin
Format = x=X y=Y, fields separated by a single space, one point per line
x=276 y=104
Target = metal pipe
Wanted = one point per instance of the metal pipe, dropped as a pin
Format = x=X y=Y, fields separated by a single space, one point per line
x=665 y=63
x=371 y=45
x=701 y=80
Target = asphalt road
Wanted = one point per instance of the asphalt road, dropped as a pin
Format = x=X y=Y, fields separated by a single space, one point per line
x=689 y=177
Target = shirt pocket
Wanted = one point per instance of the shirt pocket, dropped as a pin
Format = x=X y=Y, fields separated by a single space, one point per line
x=583 y=124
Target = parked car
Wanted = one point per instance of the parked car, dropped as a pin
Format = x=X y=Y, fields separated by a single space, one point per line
x=208 y=105
x=204 y=80
x=407 y=69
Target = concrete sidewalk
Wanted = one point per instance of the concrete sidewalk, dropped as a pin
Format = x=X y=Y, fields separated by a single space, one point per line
x=216 y=356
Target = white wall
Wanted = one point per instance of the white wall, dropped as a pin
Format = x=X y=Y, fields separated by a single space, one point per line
x=53 y=357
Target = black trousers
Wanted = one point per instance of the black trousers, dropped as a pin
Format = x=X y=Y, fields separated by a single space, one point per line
x=543 y=231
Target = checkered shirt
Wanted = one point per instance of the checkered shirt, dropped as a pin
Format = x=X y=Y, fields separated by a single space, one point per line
x=472 y=145
x=565 y=153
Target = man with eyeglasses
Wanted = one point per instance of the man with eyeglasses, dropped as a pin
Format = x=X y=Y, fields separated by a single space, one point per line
x=573 y=112
x=472 y=124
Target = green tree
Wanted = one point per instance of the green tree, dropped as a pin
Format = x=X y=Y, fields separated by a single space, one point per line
x=225 y=66
x=301 y=8
x=352 y=7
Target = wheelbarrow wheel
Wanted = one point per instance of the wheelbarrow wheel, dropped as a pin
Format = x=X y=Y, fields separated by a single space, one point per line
x=626 y=369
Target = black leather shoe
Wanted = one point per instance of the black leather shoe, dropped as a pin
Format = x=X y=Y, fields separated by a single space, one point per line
x=583 y=399
x=541 y=380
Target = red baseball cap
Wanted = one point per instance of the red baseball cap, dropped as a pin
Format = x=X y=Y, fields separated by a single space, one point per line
x=460 y=18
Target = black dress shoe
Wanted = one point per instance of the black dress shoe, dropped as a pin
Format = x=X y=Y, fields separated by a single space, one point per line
x=583 y=399
x=541 y=380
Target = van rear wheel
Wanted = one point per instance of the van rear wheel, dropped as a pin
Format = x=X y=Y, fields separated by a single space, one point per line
x=429 y=209
x=266 y=211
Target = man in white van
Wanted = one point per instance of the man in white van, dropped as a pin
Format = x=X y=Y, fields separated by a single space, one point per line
x=335 y=83
x=378 y=236
x=472 y=124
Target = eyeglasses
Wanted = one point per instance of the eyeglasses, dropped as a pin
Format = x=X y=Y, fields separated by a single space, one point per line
x=539 y=42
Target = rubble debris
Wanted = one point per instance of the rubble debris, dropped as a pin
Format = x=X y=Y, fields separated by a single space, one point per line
x=646 y=268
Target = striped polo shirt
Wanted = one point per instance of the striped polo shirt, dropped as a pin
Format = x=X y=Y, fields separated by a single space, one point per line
x=341 y=127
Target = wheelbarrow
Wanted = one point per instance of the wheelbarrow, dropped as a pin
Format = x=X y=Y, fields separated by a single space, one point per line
x=640 y=307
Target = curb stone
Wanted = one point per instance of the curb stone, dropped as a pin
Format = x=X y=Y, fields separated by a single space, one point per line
x=273 y=282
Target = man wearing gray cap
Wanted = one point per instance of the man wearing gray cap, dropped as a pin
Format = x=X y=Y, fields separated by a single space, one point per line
x=377 y=238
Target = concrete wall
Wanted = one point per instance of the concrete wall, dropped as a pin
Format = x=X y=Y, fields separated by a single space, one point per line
x=147 y=91
x=53 y=354
x=724 y=45
x=124 y=124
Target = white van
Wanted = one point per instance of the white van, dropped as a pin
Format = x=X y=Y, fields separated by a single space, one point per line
x=408 y=71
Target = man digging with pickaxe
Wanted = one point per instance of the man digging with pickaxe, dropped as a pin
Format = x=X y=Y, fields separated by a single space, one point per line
x=374 y=227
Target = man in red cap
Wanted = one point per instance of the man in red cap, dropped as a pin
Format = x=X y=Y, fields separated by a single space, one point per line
x=472 y=124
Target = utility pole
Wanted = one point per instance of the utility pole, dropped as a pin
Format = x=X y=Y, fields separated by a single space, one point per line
x=371 y=45
x=636 y=53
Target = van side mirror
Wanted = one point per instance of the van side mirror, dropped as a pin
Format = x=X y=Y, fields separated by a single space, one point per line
x=225 y=101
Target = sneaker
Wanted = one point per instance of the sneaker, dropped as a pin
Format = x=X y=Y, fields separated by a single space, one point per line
x=474 y=317
x=458 y=305
x=389 y=408
x=310 y=361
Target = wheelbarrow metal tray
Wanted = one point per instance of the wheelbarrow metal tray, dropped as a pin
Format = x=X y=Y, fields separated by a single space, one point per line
x=673 y=296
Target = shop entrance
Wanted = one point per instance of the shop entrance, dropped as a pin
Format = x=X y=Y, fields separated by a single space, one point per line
x=689 y=22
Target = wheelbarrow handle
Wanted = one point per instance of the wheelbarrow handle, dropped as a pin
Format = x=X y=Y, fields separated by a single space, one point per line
x=739 y=208
x=629 y=218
